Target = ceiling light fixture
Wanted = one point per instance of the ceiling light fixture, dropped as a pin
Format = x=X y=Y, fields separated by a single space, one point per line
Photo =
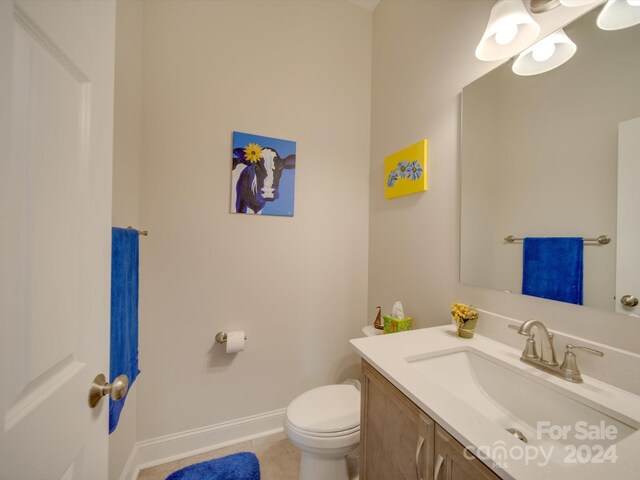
x=509 y=30
x=541 y=6
x=619 y=14
x=547 y=54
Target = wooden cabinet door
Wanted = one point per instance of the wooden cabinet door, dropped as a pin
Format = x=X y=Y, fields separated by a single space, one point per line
x=454 y=464
x=397 y=438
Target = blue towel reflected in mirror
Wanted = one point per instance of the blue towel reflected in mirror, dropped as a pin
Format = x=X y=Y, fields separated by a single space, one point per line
x=553 y=268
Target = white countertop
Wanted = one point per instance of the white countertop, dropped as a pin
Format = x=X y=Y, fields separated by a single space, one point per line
x=387 y=353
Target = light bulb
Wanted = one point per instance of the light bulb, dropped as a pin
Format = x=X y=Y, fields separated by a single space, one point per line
x=619 y=14
x=543 y=51
x=506 y=34
x=510 y=30
x=547 y=54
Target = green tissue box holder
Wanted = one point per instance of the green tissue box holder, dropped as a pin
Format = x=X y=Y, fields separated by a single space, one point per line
x=393 y=325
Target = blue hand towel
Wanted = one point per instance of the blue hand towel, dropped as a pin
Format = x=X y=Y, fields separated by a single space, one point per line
x=124 y=313
x=553 y=268
x=239 y=466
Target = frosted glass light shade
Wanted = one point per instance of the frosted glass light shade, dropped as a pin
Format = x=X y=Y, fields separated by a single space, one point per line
x=547 y=54
x=509 y=31
x=618 y=14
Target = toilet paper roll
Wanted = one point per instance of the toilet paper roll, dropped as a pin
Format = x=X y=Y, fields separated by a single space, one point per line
x=235 y=341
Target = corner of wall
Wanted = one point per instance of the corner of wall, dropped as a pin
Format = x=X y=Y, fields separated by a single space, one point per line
x=126 y=188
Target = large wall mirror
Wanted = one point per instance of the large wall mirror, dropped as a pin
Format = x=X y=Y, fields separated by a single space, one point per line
x=557 y=155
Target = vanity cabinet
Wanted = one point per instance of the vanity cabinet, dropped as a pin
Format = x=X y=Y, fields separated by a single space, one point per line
x=454 y=463
x=398 y=441
x=396 y=437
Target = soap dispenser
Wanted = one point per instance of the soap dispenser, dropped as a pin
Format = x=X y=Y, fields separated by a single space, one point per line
x=378 y=322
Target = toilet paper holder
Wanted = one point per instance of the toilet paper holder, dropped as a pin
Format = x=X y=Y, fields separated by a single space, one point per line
x=221 y=337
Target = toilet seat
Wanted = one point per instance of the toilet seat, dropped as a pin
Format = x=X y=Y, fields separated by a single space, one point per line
x=327 y=411
x=340 y=433
x=326 y=418
x=328 y=444
x=324 y=423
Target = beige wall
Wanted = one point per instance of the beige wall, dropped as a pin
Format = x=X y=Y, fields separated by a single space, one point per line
x=297 y=286
x=423 y=54
x=422 y=58
x=126 y=181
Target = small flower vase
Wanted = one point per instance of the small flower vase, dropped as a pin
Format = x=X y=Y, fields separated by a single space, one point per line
x=466 y=328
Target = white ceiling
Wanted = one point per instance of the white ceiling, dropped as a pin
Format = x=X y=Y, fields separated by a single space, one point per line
x=366 y=4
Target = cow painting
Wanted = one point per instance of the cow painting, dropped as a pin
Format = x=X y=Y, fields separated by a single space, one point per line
x=263 y=173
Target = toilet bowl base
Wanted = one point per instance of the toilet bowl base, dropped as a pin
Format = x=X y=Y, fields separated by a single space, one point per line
x=323 y=467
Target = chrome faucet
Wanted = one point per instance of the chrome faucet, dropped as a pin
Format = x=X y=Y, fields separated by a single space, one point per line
x=547 y=360
x=547 y=351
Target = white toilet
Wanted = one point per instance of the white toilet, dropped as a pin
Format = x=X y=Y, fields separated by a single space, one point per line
x=324 y=423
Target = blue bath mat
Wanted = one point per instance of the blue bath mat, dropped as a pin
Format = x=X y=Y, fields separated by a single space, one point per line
x=239 y=466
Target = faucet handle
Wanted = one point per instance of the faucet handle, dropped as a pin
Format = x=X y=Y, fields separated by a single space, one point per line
x=530 y=347
x=570 y=365
x=592 y=351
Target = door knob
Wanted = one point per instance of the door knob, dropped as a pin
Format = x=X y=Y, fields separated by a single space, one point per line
x=629 y=301
x=100 y=387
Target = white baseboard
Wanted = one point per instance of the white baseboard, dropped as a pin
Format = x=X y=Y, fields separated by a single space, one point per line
x=168 y=448
x=131 y=470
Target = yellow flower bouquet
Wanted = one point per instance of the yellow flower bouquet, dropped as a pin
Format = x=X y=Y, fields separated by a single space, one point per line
x=465 y=317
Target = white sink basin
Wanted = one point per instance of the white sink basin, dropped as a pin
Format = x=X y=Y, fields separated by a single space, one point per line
x=514 y=399
x=477 y=389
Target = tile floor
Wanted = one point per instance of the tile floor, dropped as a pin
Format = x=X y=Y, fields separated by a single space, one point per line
x=279 y=459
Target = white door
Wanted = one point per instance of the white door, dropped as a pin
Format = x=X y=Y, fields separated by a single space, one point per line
x=56 y=114
x=628 y=241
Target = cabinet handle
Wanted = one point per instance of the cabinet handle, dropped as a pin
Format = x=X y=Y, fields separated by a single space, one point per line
x=436 y=472
x=418 y=452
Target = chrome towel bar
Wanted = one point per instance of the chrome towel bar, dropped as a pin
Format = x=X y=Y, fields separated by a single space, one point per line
x=602 y=239
x=144 y=233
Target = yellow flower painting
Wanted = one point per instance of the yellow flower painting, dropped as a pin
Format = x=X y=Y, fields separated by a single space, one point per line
x=406 y=171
